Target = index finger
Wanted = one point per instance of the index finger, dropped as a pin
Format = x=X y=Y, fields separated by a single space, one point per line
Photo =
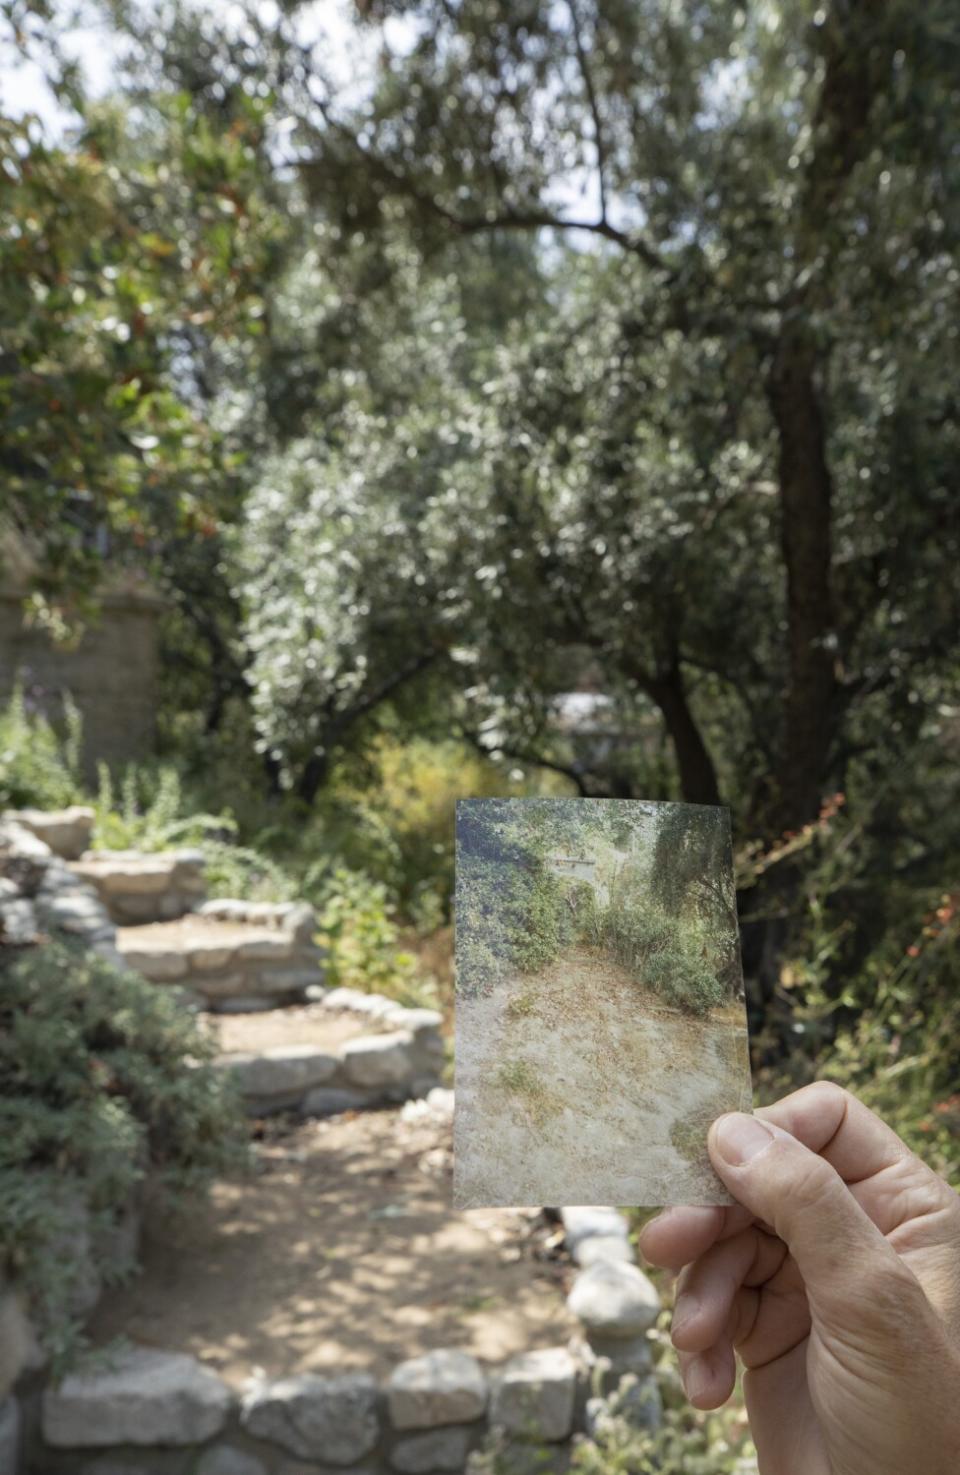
x=890 y=1183
x=680 y=1234
x=833 y=1123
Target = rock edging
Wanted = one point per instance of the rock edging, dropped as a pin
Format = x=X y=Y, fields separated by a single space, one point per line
x=231 y=956
x=425 y=1417
x=617 y=1305
x=404 y=1060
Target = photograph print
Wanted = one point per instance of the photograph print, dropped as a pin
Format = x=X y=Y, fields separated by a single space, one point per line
x=601 y=1024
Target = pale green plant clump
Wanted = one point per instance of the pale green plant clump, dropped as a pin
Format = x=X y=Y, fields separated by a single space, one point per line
x=521 y=1079
x=521 y=1006
x=686 y=1443
x=39 y=765
x=105 y=1081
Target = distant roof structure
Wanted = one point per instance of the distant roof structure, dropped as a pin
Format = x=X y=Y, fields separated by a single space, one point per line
x=584 y=712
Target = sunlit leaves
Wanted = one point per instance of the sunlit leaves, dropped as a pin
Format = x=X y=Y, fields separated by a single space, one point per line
x=123 y=280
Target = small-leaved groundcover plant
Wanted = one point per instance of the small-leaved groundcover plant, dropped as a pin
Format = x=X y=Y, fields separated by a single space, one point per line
x=105 y=1081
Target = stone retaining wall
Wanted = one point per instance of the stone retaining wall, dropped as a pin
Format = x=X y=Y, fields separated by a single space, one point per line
x=140 y=887
x=39 y=893
x=404 y=1057
x=66 y=831
x=227 y=955
x=151 y=1412
x=231 y=955
x=134 y=886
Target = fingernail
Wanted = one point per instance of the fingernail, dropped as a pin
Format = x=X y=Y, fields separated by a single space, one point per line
x=740 y=1137
x=685 y=1310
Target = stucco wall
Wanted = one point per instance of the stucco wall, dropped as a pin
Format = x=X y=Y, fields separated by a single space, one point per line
x=111 y=673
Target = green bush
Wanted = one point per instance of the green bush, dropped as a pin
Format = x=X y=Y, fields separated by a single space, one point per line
x=480 y=943
x=154 y=811
x=151 y=811
x=510 y=915
x=39 y=766
x=685 y=979
x=359 y=929
x=104 y=1081
x=889 y=1030
x=242 y=871
x=687 y=1443
x=537 y=920
x=669 y=953
x=587 y=913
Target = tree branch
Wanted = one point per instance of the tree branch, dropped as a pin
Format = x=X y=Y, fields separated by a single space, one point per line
x=380 y=693
x=509 y=219
x=317 y=766
x=534 y=760
x=545 y=220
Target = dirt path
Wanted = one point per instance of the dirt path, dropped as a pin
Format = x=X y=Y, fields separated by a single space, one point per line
x=341 y=1252
x=298 y=1024
x=577 y=1077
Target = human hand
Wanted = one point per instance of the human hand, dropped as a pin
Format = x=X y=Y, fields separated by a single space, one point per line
x=836 y=1278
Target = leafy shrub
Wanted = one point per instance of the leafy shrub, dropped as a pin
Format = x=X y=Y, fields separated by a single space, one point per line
x=151 y=812
x=687 y=1443
x=360 y=931
x=510 y=915
x=39 y=766
x=889 y=1031
x=104 y=1080
x=587 y=912
x=417 y=784
x=670 y=954
x=481 y=953
x=242 y=871
x=537 y=921
x=685 y=979
x=393 y=819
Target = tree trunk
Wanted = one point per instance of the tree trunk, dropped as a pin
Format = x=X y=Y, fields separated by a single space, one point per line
x=313 y=777
x=858 y=42
x=698 y=777
x=811 y=705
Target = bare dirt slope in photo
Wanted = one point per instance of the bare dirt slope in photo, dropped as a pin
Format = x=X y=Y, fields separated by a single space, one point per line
x=581 y=1076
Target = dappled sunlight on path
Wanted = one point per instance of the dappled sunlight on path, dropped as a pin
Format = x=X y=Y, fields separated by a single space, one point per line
x=343 y=1252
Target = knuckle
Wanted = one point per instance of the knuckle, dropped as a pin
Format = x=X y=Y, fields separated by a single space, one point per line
x=813 y=1183
x=830 y=1094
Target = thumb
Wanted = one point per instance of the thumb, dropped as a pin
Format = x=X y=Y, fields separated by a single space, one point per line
x=836 y=1246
